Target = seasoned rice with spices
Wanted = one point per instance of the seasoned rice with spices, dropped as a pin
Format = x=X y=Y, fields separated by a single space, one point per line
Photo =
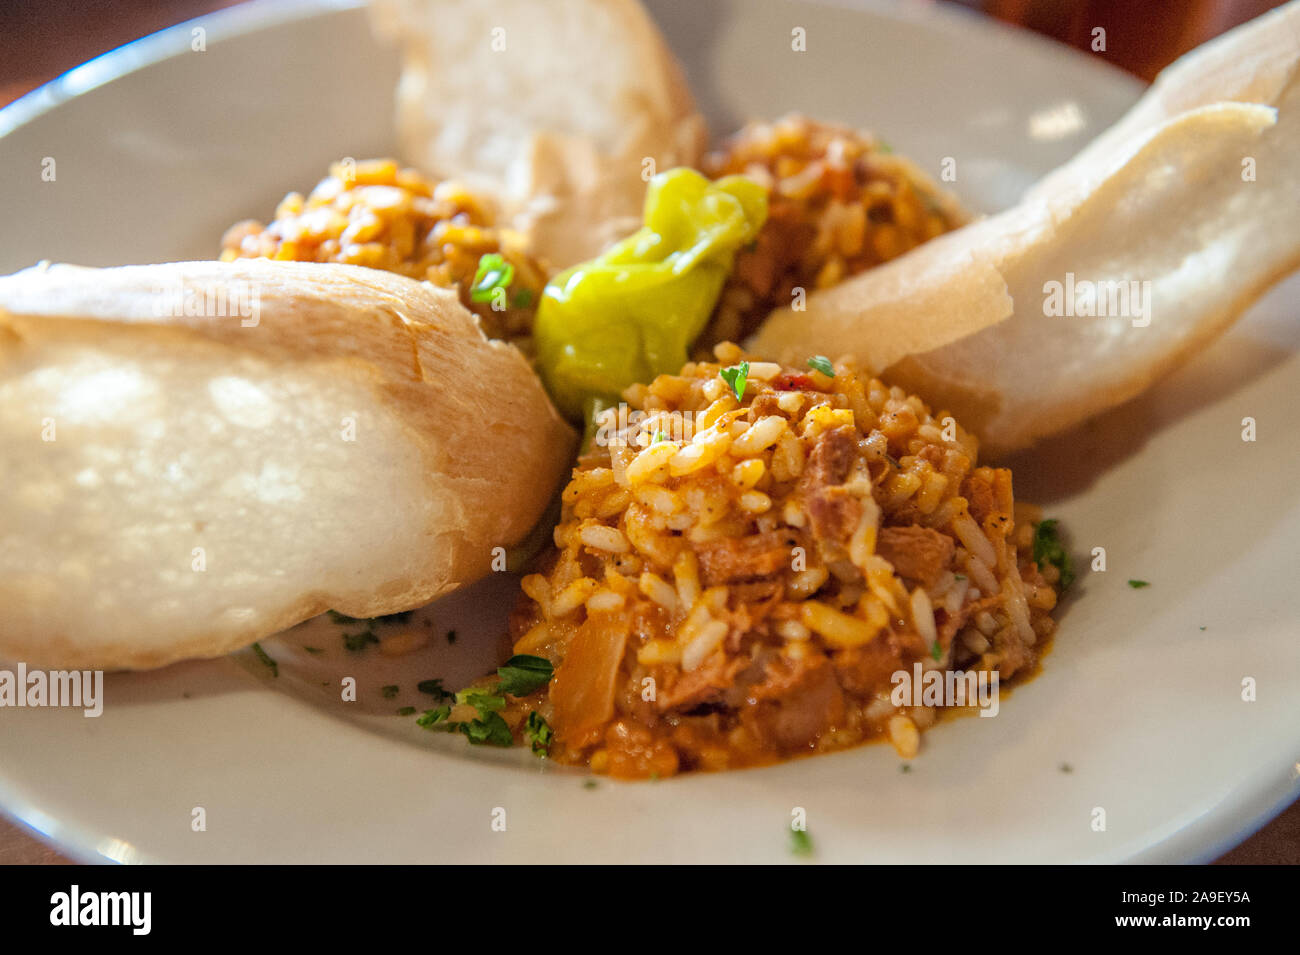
x=735 y=580
x=839 y=203
x=377 y=214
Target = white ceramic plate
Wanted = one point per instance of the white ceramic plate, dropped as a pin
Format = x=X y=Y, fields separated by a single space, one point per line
x=159 y=147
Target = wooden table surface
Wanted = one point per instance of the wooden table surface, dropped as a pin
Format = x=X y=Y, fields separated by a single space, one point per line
x=40 y=39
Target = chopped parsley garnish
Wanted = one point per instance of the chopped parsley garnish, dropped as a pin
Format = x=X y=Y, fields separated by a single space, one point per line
x=388 y=692
x=490 y=730
x=823 y=364
x=538 y=734
x=936 y=651
x=522 y=674
x=905 y=768
x=800 y=842
x=356 y=642
x=590 y=784
x=493 y=273
x=736 y=376
x=405 y=710
x=958 y=576
x=482 y=700
x=431 y=718
x=1048 y=549
x=658 y=436
x=345 y=620
x=266 y=658
x=435 y=689
x=1139 y=584
x=523 y=298
x=1066 y=768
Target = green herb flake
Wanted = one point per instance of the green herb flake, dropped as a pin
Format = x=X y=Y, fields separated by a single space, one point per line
x=483 y=700
x=406 y=711
x=431 y=719
x=801 y=843
x=1139 y=584
x=958 y=576
x=590 y=784
x=736 y=376
x=266 y=658
x=1066 y=768
x=905 y=768
x=522 y=674
x=356 y=642
x=388 y=692
x=346 y=621
x=490 y=730
x=936 y=651
x=435 y=689
x=523 y=298
x=538 y=734
x=493 y=273
x=823 y=364
x=314 y=650
x=1048 y=549
x=658 y=437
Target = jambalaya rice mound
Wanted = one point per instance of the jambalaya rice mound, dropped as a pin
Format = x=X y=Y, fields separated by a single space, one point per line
x=839 y=202
x=735 y=581
x=377 y=214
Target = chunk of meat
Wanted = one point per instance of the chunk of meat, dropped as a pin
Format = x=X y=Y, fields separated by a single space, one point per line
x=760 y=555
x=831 y=458
x=796 y=703
x=867 y=670
x=834 y=513
x=751 y=595
x=705 y=684
x=917 y=553
x=833 y=510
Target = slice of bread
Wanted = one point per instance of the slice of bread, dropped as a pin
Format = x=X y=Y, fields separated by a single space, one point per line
x=1110 y=272
x=197 y=455
x=555 y=106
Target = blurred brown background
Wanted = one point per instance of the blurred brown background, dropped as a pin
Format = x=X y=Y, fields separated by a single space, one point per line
x=40 y=39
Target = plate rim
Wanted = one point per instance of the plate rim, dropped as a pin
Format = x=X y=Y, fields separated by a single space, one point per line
x=1200 y=841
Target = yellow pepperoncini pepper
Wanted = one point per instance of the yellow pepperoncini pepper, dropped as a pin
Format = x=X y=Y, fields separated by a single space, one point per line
x=633 y=312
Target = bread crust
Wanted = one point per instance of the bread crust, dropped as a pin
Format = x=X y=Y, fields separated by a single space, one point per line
x=1159 y=202
x=562 y=131
x=491 y=444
